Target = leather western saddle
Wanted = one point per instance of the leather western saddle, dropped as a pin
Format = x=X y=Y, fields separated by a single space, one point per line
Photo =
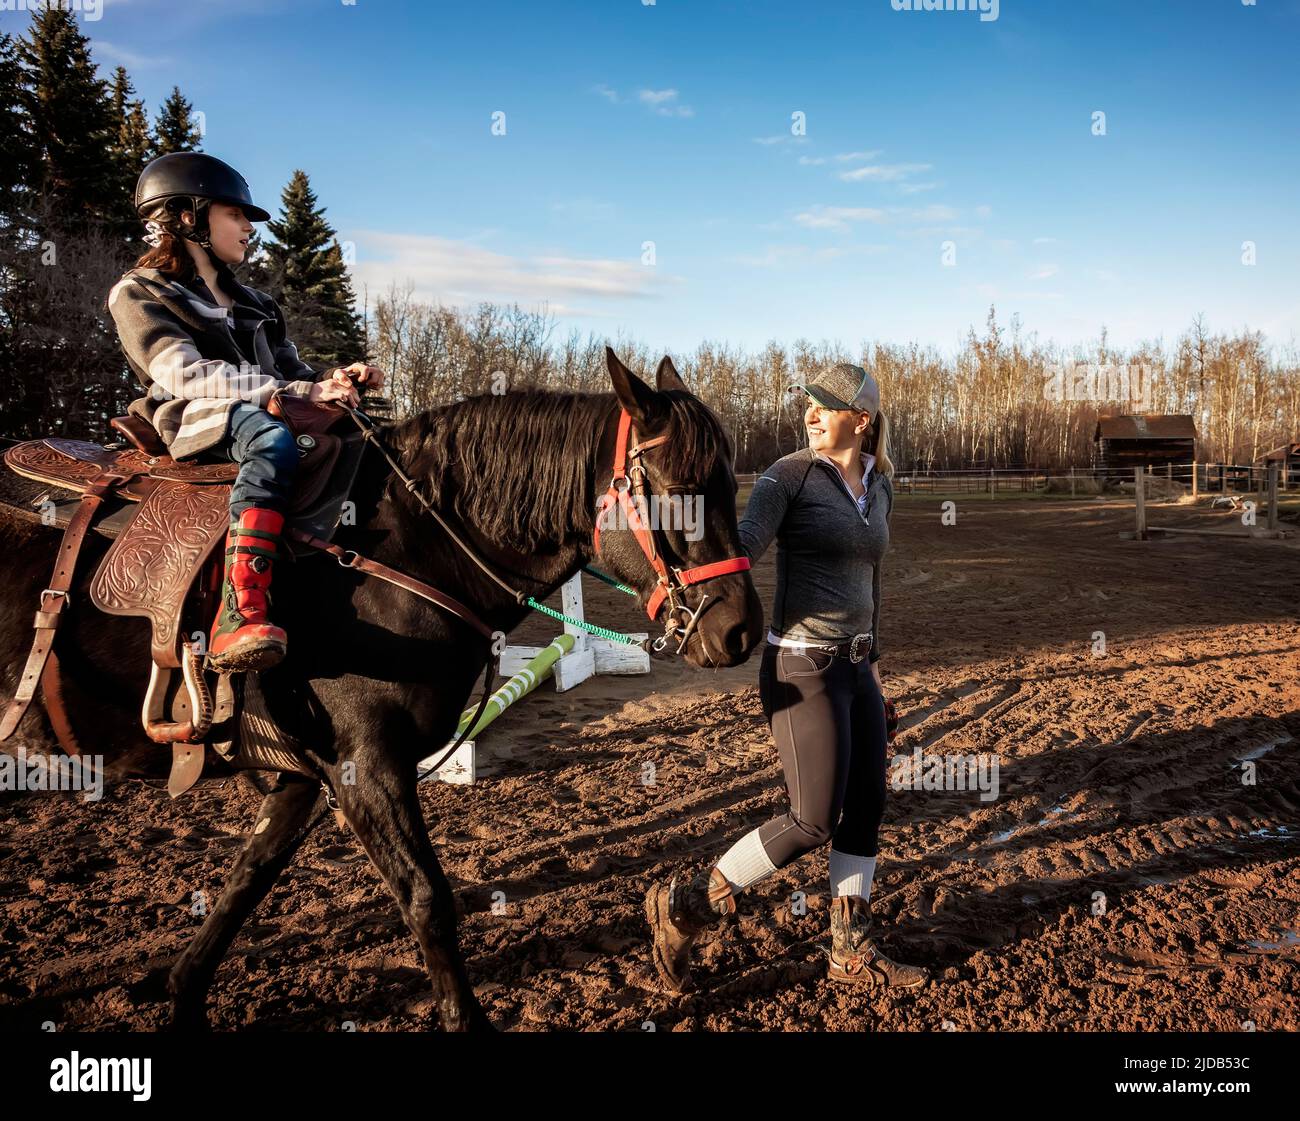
x=165 y=565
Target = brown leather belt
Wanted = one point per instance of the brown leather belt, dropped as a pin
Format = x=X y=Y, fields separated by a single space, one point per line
x=856 y=649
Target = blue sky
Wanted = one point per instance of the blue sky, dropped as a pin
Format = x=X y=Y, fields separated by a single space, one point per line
x=671 y=123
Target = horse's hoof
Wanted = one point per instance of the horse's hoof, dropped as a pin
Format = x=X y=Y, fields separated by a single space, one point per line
x=454 y=1019
x=189 y=1016
x=150 y=986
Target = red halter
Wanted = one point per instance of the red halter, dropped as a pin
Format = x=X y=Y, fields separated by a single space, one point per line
x=620 y=488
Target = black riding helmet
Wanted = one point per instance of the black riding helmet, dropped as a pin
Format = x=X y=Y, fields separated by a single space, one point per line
x=191 y=181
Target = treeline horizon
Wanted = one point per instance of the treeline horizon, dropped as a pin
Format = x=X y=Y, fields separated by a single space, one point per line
x=995 y=403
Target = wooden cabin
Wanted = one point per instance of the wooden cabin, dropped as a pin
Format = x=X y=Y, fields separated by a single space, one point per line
x=1288 y=455
x=1121 y=443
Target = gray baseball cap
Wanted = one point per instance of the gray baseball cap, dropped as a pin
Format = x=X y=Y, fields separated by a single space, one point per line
x=844 y=387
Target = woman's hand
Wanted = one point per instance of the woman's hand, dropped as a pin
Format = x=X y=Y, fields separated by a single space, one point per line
x=891 y=714
x=891 y=721
x=334 y=389
x=372 y=377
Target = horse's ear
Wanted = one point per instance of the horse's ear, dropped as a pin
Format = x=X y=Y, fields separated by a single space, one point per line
x=641 y=402
x=667 y=376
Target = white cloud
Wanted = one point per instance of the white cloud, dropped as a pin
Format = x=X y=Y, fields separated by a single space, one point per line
x=607 y=93
x=124 y=57
x=448 y=271
x=664 y=102
x=916 y=188
x=1045 y=241
x=842 y=157
x=933 y=213
x=883 y=173
x=1045 y=272
x=782 y=255
x=970 y=233
x=837 y=217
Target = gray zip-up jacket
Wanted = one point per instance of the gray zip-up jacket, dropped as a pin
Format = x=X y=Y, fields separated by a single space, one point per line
x=828 y=553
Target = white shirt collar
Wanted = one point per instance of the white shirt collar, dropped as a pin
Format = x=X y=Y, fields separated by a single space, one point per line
x=868 y=462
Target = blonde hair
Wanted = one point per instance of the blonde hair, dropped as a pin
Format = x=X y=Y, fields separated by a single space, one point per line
x=877 y=443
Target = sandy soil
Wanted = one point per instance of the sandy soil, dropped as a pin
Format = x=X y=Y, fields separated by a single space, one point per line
x=1120 y=774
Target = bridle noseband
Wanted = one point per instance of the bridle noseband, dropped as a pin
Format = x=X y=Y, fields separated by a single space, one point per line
x=632 y=482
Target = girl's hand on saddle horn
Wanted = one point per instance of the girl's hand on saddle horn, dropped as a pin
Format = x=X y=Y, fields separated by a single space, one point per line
x=372 y=377
x=336 y=388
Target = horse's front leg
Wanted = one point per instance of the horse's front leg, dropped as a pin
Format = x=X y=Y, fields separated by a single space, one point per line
x=283 y=823
x=382 y=808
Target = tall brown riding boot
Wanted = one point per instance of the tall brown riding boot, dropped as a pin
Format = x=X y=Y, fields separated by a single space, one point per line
x=855 y=959
x=677 y=911
x=243 y=638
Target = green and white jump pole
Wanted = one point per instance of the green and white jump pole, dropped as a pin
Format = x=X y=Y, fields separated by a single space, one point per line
x=570 y=659
x=520 y=685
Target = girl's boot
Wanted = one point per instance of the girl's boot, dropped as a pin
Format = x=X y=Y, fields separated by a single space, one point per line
x=243 y=638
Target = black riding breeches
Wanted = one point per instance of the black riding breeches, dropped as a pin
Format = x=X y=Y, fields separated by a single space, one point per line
x=828 y=720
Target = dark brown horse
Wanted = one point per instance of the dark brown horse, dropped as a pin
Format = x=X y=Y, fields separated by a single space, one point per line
x=376 y=677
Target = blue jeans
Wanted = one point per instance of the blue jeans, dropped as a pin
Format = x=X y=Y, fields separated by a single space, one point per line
x=267 y=456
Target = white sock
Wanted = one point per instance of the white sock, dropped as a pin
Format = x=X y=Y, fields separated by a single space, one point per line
x=746 y=862
x=851 y=875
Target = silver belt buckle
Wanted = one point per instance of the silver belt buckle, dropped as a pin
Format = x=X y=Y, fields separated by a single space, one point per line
x=854 y=655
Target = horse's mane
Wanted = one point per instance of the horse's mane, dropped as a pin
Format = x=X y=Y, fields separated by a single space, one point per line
x=519 y=464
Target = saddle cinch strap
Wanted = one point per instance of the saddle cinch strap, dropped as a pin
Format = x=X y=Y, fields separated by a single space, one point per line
x=54 y=602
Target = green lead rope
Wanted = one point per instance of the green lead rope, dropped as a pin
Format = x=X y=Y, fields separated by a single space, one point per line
x=610 y=580
x=592 y=628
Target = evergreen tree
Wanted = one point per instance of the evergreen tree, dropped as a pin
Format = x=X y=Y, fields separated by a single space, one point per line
x=133 y=140
x=72 y=123
x=132 y=146
x=176 y=130
x=18 y=163
x=61 y=369
x=303 y=269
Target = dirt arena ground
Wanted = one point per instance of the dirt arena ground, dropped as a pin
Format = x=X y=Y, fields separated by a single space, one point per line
x=1121 y=791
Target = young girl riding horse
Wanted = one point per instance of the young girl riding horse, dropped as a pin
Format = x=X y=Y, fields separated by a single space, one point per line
x=211 y=352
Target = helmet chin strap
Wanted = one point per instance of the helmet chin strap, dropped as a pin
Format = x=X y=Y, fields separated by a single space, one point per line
x=201 y=235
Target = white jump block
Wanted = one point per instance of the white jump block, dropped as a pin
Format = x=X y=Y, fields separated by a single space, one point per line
x=618 y=657
x=573 y=669
x=459 y=768
x=602 y=655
